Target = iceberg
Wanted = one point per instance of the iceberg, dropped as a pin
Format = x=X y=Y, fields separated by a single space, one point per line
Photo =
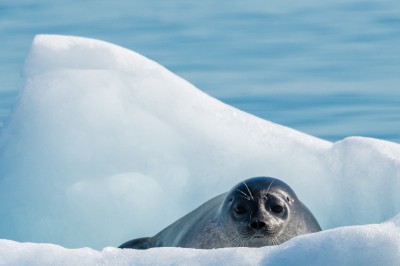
x=105 y=145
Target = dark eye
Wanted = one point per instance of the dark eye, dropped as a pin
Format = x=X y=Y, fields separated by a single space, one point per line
x=276 y=209
x=240 y=210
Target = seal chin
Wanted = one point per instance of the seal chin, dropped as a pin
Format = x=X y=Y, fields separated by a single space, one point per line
x=260 y=238
x=260 y=234
x=258 y=241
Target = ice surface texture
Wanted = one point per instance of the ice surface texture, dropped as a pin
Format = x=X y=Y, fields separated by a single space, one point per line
x=377 y=244
x=105 y=145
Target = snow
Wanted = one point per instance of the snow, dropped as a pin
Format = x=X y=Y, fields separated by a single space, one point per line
x=105 y=145
x=377 y=244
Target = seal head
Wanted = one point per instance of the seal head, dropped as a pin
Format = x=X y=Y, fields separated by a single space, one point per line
x=260 y=212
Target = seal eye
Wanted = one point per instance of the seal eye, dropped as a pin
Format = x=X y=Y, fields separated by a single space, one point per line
x=276 y=209
x=240 y=210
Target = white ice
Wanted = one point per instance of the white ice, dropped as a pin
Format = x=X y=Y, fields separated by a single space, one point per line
x=105 y=145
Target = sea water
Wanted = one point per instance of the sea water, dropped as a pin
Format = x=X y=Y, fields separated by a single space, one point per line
x=330 y=69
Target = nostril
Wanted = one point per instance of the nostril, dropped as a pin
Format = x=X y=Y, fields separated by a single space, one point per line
x=258 y=224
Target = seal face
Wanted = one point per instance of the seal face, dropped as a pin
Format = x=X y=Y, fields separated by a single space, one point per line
x=260 y=211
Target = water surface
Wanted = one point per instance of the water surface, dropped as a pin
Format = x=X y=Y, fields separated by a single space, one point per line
x=327 y=68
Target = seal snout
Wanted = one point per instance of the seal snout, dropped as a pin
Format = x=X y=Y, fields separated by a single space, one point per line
x=258 y=225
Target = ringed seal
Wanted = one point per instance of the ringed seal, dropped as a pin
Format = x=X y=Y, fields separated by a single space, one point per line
x=260 y=211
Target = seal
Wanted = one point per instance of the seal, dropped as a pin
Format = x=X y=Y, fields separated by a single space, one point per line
x=260 y=211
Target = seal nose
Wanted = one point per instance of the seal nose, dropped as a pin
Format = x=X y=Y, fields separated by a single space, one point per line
x=258 y=224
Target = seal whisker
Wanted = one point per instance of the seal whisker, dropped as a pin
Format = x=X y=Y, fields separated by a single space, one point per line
x=251 y=196
x=269 y=186
x=246 y=196
x=237 y=241
x=246 y=232
x=281 y=238
x=286 y=237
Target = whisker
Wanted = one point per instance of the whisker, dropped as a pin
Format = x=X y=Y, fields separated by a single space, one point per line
x=251 y=196
x=245 y=195
x=270 y=186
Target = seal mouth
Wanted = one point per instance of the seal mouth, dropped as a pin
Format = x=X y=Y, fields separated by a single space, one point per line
x=270 y=231
x=257 y=235
x=260 y=238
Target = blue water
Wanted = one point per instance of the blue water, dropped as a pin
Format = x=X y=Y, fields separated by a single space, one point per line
x=327 y=68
